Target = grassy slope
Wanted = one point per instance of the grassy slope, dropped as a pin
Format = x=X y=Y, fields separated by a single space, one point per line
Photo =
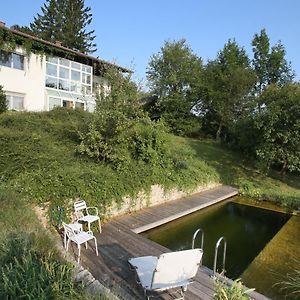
x=39 y=159
x=234 y=169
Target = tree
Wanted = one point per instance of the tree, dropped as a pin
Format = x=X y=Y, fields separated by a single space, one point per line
x=77 y=18
x=270 y=64
x=65 y=21
x=228 y=81
x=3 y=101
x=48 y=25
x=174 y=76
x=279 y=127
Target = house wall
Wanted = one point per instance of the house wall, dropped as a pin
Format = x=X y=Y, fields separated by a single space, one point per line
x=29 y=82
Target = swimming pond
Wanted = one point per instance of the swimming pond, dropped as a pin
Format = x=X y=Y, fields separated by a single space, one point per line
x=247 y=230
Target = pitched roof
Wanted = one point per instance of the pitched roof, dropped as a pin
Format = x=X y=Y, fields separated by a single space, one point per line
x=61 y=47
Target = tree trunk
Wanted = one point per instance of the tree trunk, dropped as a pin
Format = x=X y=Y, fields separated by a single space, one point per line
x=219 y=131
x=283 y=170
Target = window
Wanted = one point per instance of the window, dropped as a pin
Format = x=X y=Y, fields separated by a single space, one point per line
x=15 y=101
x=86 y=90
x=79 y=105
x=75 y=65
x=17 y=61
x=87 y=69
x=51 y=82
x=67 y=104
x=64 y=85
x=53 y=60
x=64 y=62
x=75 y=87
x=54 y=102
x=88 y=79
x=65 y=75
x=51 y=70
x=75 y=75
x=11 y=60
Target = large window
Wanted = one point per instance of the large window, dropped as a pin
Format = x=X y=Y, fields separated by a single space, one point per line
x=59 y=98
x=15 y=101
x=11 y=60
x=65 y=75
x=54 y=102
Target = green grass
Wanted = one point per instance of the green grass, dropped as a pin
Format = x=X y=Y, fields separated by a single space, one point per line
x=233 y=169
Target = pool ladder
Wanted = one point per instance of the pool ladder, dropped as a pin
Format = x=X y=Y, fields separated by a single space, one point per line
x=216 y=257
x=220 y=240
x=202 y=240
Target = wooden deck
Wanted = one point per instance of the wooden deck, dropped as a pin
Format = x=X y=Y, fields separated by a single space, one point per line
x=119 y=241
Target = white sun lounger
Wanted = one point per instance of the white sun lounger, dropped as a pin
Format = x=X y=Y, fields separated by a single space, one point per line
x=169 y=270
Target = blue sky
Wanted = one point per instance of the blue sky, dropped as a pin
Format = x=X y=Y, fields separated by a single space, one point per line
x=129 y=32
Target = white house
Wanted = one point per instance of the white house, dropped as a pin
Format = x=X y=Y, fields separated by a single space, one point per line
x=37 y=82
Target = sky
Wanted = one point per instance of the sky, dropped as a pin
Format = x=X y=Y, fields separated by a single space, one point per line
x=129 y=32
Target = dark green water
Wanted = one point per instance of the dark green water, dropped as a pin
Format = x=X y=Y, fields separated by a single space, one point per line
x=247 y=230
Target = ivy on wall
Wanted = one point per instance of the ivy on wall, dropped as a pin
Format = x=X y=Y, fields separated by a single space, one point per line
x=9 y=41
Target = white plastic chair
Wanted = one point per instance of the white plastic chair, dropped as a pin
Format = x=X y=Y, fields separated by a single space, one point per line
x=82 y=214
x=169 y=270
x=79 y=237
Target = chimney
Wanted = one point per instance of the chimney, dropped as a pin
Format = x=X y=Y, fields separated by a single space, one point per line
x=58 y=43
x=2 y=24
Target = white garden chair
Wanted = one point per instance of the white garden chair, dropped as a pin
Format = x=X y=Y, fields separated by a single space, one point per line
x=76 y=227
x=79 y=237
x=168 y=271
x=82 y=214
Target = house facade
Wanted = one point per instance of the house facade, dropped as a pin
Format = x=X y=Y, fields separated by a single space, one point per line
x=40 y=82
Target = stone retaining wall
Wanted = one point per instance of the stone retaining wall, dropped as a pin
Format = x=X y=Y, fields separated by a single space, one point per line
x=157 y=196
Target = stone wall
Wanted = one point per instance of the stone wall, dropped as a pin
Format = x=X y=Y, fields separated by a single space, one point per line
x=156 y=196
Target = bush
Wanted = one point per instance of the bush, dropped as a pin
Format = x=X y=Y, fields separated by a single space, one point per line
x=292 y=284
x=234 y=291
x=3 y=101
x=119 y=132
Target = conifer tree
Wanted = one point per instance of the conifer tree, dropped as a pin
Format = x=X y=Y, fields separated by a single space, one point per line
x=65 y=21
x=48 y=25
x=77 y=18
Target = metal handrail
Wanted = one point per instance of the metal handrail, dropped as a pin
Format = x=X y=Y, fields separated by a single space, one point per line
x=194 y=237
x=216 y=255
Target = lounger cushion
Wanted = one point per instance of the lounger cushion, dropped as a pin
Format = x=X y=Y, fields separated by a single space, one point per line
x=145 y=266
x=175 y=269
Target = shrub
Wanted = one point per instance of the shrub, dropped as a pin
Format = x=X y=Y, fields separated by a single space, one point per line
x=120 y=132
x=234 y=291
x=292 y=284
x=3 y=101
